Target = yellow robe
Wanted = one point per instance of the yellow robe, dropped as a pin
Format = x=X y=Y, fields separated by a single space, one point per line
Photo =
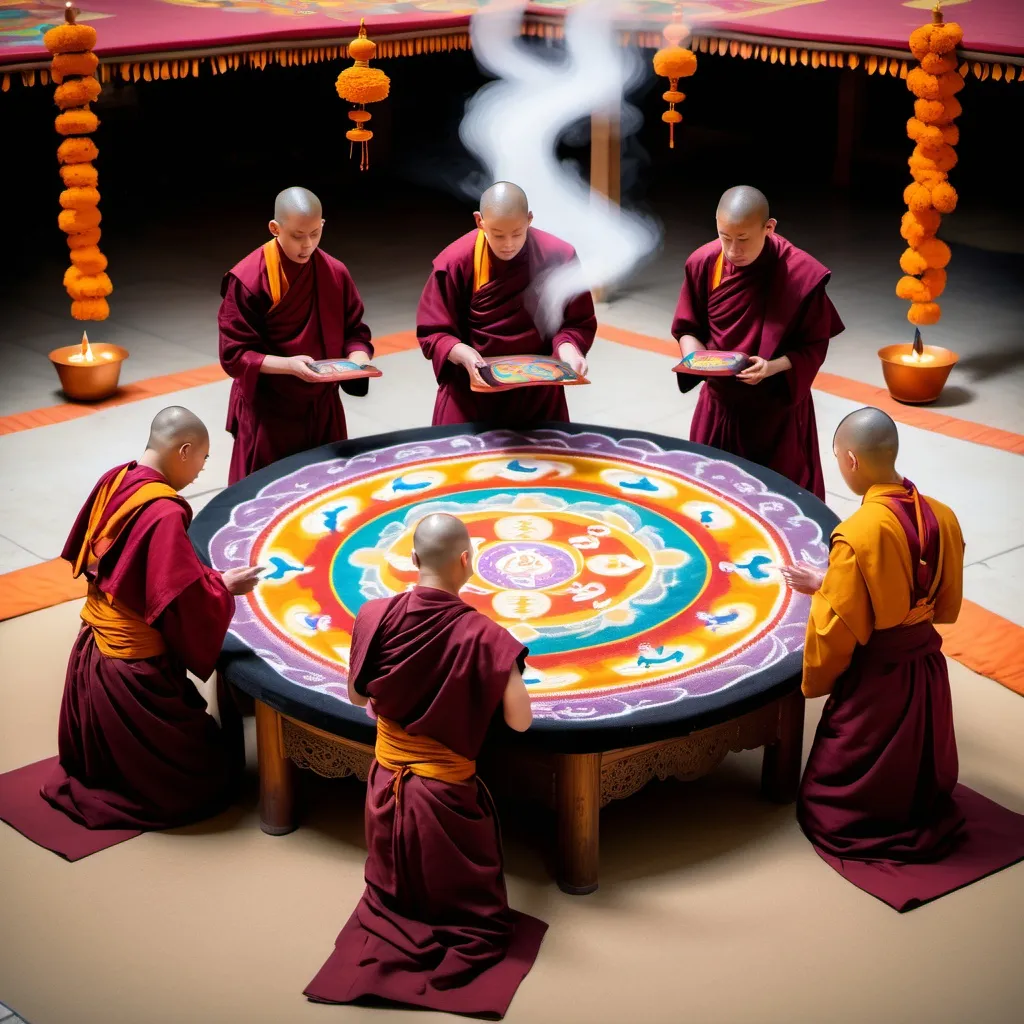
x=869 y=585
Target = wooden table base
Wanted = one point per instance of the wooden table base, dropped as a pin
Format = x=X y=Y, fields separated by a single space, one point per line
x=575 y=786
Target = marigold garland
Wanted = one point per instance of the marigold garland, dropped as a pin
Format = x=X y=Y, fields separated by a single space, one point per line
x=674 y=62
x=935 y=84
x=361 y=84
x=73 y=69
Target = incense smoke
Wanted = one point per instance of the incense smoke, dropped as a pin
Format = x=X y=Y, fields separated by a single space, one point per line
x=513 y=127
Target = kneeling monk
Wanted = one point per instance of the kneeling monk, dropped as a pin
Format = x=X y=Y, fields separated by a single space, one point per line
x=479 y=303
x=284 y=306
x=753 y=292
x=879 y=797
x=433 y=929
x=137 y=748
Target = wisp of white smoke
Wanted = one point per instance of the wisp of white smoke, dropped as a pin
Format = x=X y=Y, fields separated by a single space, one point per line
x=513 y=126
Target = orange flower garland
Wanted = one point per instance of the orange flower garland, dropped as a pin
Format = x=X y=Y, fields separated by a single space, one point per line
x=361 y=84
x=935 y=83
x=74 y=69
x=674 y=62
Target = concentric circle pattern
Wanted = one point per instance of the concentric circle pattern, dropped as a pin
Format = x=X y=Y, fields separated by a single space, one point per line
x=636 y=575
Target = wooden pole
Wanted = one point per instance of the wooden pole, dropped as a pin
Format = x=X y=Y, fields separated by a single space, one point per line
x=578 y=809
x=606 y=162
x=849 y=114
x=277 y=784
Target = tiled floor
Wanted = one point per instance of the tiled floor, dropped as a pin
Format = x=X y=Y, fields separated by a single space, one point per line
x=8 y=1016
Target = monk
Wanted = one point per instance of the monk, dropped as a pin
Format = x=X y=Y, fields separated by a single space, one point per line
x=879 y=799
x=751 y=291
x=433 y=929
x=137 y=748
x=283 y=307
x=479 y=303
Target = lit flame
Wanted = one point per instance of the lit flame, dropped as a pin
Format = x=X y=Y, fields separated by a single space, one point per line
x=85 y=355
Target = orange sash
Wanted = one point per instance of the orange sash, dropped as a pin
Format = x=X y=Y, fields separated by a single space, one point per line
x=481 y=262
x=275 y=272
x=119 y=632
x=403 y=754
x=716 y=277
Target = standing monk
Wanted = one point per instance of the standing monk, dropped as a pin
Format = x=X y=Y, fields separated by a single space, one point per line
x=479 y=303
x=433 y=929
x=879 y=797
x=753 y=292
x=137 y=748
x=284 y=306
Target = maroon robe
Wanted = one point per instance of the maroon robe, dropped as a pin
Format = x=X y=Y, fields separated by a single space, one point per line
x=137 y=748
x=321 y=315
x=776 y=306
x=879 y=798
x=497 y=320
x=433 y=929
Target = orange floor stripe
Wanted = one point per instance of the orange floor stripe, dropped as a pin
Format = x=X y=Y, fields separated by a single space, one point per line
x=164 y=385
x=987 y=644
x=857 y=391
x=38 y=587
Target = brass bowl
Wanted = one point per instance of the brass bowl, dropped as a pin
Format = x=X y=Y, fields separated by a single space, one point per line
x=89 y=381
x=916 y=383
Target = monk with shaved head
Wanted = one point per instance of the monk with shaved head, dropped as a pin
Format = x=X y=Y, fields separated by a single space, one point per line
x=433 y=928
x=751 y=291
x=879 y=797
x=286 y=305
x=479 y=303
x=137 y=748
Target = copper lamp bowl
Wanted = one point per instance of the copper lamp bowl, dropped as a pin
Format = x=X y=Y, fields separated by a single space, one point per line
x=85 y=380
x=916 y=382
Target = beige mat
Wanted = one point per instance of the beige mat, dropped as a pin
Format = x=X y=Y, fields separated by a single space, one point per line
x=713 y=909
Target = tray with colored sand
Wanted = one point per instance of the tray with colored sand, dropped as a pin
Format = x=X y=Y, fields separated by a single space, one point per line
x=712 y=364
x=343 y=369
x=502 y=373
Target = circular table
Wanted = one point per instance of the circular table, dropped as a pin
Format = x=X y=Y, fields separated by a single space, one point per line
x=640 y=570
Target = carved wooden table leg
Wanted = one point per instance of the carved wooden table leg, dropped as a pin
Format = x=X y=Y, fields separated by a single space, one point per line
x=780 y=769
x=277 y=785
x=577 y=808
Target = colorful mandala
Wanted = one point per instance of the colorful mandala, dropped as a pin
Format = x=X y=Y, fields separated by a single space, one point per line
x=637 y=576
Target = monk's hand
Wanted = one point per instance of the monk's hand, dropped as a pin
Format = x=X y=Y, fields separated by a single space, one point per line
x=470 y=360
x=572 y=357
x=803 y=578
x=298 y=366
x=359 y=356
x=242 y=579
x=756 y=371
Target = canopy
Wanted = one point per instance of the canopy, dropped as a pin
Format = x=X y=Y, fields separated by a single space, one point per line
x=164 y=38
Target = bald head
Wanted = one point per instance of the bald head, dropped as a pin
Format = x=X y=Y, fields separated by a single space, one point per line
x=178 y=446
x=175 y=426
x=743 y=203
x=503 y=199
x=296 y=202
x=866 y=445
x=439 y=541
x=870 y=434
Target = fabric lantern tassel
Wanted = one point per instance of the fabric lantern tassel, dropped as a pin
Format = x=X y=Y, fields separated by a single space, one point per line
x=674 y=62
x=361 y=84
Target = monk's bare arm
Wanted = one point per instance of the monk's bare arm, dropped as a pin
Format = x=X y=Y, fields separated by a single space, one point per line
x=516 y=702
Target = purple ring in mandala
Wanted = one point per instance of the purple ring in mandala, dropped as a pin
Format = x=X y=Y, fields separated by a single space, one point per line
x=233 y=543
x=525 y=565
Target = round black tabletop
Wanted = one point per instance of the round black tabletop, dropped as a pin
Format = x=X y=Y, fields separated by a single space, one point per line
x=770 y=669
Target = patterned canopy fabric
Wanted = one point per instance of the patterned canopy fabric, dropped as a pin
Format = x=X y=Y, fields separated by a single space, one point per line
x=136 y=28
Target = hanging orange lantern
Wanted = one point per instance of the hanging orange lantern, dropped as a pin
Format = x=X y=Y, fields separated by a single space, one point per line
x=74 y=70
x=361 y=84
x=674 y=62
x=935 y=83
